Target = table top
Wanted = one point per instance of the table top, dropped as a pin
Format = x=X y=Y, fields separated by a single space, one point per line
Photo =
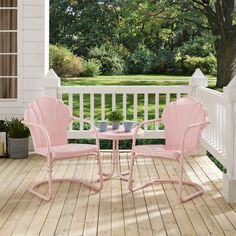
x=118 y=134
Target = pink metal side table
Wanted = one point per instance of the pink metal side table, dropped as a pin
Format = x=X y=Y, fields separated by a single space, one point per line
x=116 y=135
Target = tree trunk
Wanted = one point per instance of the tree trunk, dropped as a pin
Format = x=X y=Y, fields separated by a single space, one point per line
x=226 y=61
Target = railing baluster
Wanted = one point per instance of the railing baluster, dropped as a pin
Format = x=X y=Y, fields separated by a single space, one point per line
x=70 y=103
x=167 y=99
x=81 y=110
x=223 y=130
x=92 y=107
x=103 y=106
x=124 y=105
x=178 y=96
x=113 y=101
x=135 y=115
x=156 y=110
x=146 y=110
x=60 y=96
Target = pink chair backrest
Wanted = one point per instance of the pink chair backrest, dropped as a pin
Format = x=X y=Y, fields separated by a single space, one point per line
x=177 y=117
x=53 y=115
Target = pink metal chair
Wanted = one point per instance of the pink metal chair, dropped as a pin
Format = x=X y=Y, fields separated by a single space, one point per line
x=48 y=120
x=184 y=120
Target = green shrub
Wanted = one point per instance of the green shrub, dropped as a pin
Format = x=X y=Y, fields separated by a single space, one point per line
x=110 y=57
x=199 y=46
x=16 y=129
x=64 y=62
x=206 y=64
x=140 y=61
x=115 y=115
x=165 y=62
x=91 y=68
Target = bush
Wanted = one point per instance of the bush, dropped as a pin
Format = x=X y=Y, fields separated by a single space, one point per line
x=140 y=61
x=16 y=129
x=199 y=46
x=64 y=62
x=91 y=68
x=110 y=58
x=206 y=64
x=165 y=62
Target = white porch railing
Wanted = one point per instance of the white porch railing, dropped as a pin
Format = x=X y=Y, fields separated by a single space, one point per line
x=137 y=103
x=147 y=102
x=214 y=136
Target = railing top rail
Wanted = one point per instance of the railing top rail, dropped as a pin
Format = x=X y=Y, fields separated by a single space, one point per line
x=210 y=94
x=123 y=89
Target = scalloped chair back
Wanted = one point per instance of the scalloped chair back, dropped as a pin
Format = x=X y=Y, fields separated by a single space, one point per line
x=177 y=117
x=53 y=115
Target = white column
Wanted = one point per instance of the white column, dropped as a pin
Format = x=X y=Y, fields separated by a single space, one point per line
x=229 y=179
x=51 y=84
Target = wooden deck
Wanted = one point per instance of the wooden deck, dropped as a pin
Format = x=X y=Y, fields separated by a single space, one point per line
x=75 y=210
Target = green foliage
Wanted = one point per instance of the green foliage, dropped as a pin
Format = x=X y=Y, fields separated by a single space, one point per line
x=206 y=64
x=165 y=62
x=16 y=129
x=80 y=25
x=199 y=46
x=2 y=125
x=217 y=163
x=64 y=62
x=91 y=68
x=115 y=115
x=135 y=36
x=110 y=58
x=140 y=61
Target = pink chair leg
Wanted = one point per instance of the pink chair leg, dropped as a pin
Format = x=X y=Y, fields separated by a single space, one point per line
x=51 y=180
x=179 y=181
x=131 y=169
x=100 y=172
x=180 y=178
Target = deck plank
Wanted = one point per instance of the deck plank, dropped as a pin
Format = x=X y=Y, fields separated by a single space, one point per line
x=75 y=210
x=130 y=220
x=104 y=220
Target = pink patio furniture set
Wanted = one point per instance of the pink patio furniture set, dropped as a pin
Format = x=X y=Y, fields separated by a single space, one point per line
x=48 y=120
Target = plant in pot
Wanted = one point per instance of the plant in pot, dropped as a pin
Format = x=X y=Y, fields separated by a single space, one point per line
x=115 y=117
x=18 y=135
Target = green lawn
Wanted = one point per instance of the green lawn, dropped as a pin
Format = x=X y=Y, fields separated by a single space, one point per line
x=125 y=80
x=133 y=80
x=128 y=80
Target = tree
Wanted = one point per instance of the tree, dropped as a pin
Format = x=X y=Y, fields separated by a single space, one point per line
x=221 y=20
x=81 y=25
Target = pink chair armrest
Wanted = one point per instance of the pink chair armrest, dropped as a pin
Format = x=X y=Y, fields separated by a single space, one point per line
x=93 y=128
x=158 y=120
x=203 y=124
x=44 y=131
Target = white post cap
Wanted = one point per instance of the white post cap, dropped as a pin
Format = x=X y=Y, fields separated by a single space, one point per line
x=51 y=79
x=198 y=79
x=51 y=83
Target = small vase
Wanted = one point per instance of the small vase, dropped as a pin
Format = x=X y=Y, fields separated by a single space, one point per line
x=115 y=124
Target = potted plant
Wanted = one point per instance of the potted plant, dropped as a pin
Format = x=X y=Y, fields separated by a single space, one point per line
x=18 y=135
x=115 y=117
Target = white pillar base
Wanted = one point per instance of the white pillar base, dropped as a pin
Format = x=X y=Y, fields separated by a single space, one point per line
x=229 y=189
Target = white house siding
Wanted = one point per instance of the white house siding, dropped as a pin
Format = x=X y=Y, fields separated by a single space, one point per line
x=33 y=57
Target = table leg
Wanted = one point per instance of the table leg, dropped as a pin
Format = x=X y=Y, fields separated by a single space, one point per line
x=115 y=163
x=118 y=164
